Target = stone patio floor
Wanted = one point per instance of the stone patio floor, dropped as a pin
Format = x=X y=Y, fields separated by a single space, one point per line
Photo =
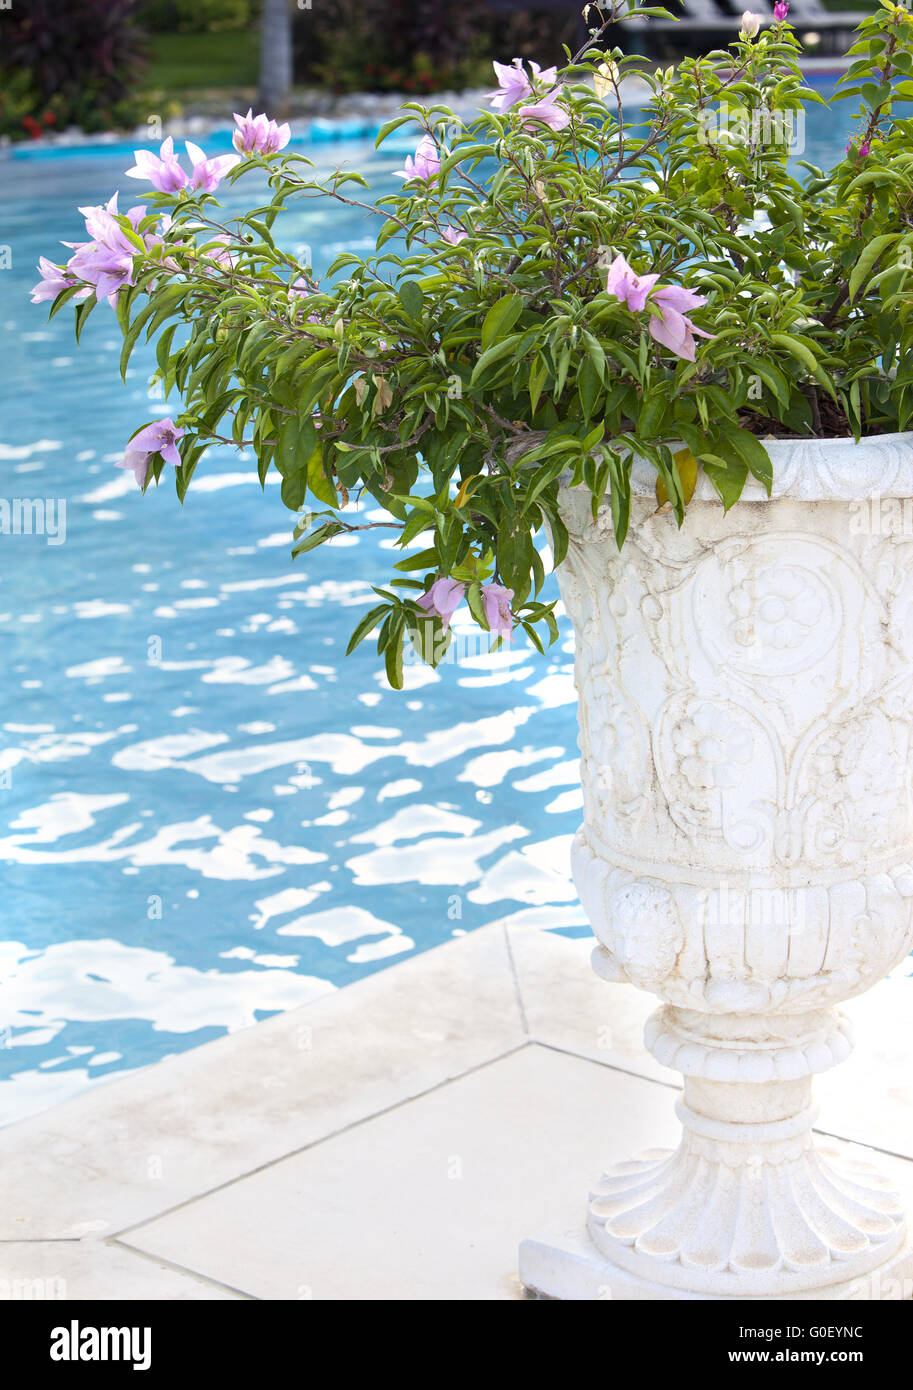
x=394 y=1140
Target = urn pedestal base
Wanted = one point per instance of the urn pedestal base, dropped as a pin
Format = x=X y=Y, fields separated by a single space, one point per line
x=748 y=1205
x=565 y=1264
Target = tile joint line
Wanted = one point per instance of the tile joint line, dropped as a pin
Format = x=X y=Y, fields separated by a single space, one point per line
x=524 y=1021
x=179 y=1268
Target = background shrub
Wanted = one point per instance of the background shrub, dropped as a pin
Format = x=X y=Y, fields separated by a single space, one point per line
x=68 y=64
x=421 y=45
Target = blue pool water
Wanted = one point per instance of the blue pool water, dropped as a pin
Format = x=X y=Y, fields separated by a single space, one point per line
x=207 y=812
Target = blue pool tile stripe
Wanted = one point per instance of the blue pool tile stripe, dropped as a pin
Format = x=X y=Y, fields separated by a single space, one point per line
x=318 y=131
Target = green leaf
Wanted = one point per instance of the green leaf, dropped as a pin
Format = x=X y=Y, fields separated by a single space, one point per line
x=422 y=560
x=664 y=463
x=534 y=637
x=463 y=153
x=773 y=379
x=798 y=350
x=620 y=495
x=416 y=524
x=297 y=442
x=500 y=319
x=317 y=537
x=560 y=539
x=293 y=491
x=492 y=355
x=163 y=351
x=589 y=388
x=393 y=653
x=261 y=230
x=411 y=298
x=867 y=259
x=388 y=128
x=752 y=453
x=388 y=230
x=474 y=600
x=130 y=336
x=367 y=624
x=652 y=414
x=62 y=299
x=83 y=310
x=318 y=481
x=191 y=454
x=514 y=562
x=536 y=381
x=727 y=476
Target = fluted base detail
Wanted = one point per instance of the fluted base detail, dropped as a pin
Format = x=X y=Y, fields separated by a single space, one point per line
x=745 y=1210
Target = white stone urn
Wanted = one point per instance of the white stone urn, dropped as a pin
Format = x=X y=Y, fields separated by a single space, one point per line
x=746 y=706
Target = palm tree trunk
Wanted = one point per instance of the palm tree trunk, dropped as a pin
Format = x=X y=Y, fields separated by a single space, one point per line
x=275 y=57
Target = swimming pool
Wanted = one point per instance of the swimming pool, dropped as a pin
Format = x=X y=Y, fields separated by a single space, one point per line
x=207 y=812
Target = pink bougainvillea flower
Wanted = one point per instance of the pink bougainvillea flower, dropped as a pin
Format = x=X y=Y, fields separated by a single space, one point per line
x=105 y=262
x=158 y=438
x=496 y=607
x=669 y=326
x=546 y=111
x=673 y=329
x=547 y=76
x=208 y=173
x=781 y=9
x=443 y=599
x=427 y=162
x=102 y=224
x=630 y=288
x=513 y=84
x=453 y=235
x=54 y=280
x=258 y=134
x=163 y=170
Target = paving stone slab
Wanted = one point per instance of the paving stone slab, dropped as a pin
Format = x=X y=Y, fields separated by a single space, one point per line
x=129 y=1149
x=62 y=1270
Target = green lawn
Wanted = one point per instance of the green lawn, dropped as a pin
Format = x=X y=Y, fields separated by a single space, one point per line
x=185 y=62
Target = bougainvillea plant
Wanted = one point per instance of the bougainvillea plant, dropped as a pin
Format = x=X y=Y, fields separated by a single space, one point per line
x=560 y=285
